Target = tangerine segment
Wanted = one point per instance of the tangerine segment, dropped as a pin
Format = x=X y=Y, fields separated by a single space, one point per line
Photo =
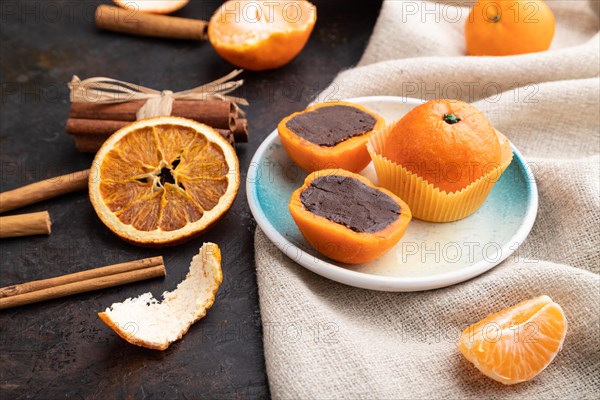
x=163 y=180
x=205 y=192
x=173 y=138
x=141 y=148
x=118 y=195
x=516 y=344
x=260 y=35
x=178 y=209
x=202 y=161
x=120 y=168
x=144 y=213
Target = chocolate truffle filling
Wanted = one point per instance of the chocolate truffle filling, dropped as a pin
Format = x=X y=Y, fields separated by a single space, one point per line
x=328 y=126
x=349 y=202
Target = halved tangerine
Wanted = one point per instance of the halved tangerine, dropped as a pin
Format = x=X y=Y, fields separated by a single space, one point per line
x=160 y=181
x=152 y=6
x=261 y=35
x=516 y=344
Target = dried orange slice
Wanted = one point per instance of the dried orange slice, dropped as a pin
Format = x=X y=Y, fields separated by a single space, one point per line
x=516 y=344
x=260 y=35
x=152 y=6
x=160 y=181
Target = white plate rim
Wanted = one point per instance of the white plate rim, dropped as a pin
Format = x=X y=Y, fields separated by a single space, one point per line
x=379 y=282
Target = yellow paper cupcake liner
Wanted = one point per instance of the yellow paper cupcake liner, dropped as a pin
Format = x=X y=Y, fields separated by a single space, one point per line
x=426 y=201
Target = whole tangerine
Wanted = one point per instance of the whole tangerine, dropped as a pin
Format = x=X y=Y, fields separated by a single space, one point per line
x=449 y=143
x=503 y=28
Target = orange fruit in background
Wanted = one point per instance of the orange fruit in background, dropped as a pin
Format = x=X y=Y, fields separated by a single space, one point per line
x=449 y=143
x=160 y=181
x=516 y=344
x=508 y=27
x=261 y=35
x=152 y=6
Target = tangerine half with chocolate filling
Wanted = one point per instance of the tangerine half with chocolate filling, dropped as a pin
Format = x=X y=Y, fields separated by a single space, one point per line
x=160 y=181
x=346 y=217
x=329 y=135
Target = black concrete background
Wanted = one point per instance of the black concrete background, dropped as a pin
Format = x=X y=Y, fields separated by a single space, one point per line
x=60 y=348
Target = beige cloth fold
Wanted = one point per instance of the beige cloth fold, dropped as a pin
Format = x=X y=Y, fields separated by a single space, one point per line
x=326 y=340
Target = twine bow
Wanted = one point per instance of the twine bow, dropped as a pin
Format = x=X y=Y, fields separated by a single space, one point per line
x=110 y=91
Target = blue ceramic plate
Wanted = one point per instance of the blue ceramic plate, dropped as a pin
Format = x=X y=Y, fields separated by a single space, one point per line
x=430 y=255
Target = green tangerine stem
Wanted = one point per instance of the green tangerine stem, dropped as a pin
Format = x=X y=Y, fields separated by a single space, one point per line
x=451 y=119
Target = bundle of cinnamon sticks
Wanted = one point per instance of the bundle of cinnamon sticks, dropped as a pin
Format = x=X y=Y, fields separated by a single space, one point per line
x=92 y=123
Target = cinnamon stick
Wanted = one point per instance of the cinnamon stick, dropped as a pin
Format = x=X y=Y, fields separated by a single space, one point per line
x=43 y=190
x=105 y=128
x=25 y=225
x=137 y=23
x=227 y=135
x=80 y=276
x=240 y=132
x=90 y=143
x=83 y=286
x=215 y=113
x=94 y=127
